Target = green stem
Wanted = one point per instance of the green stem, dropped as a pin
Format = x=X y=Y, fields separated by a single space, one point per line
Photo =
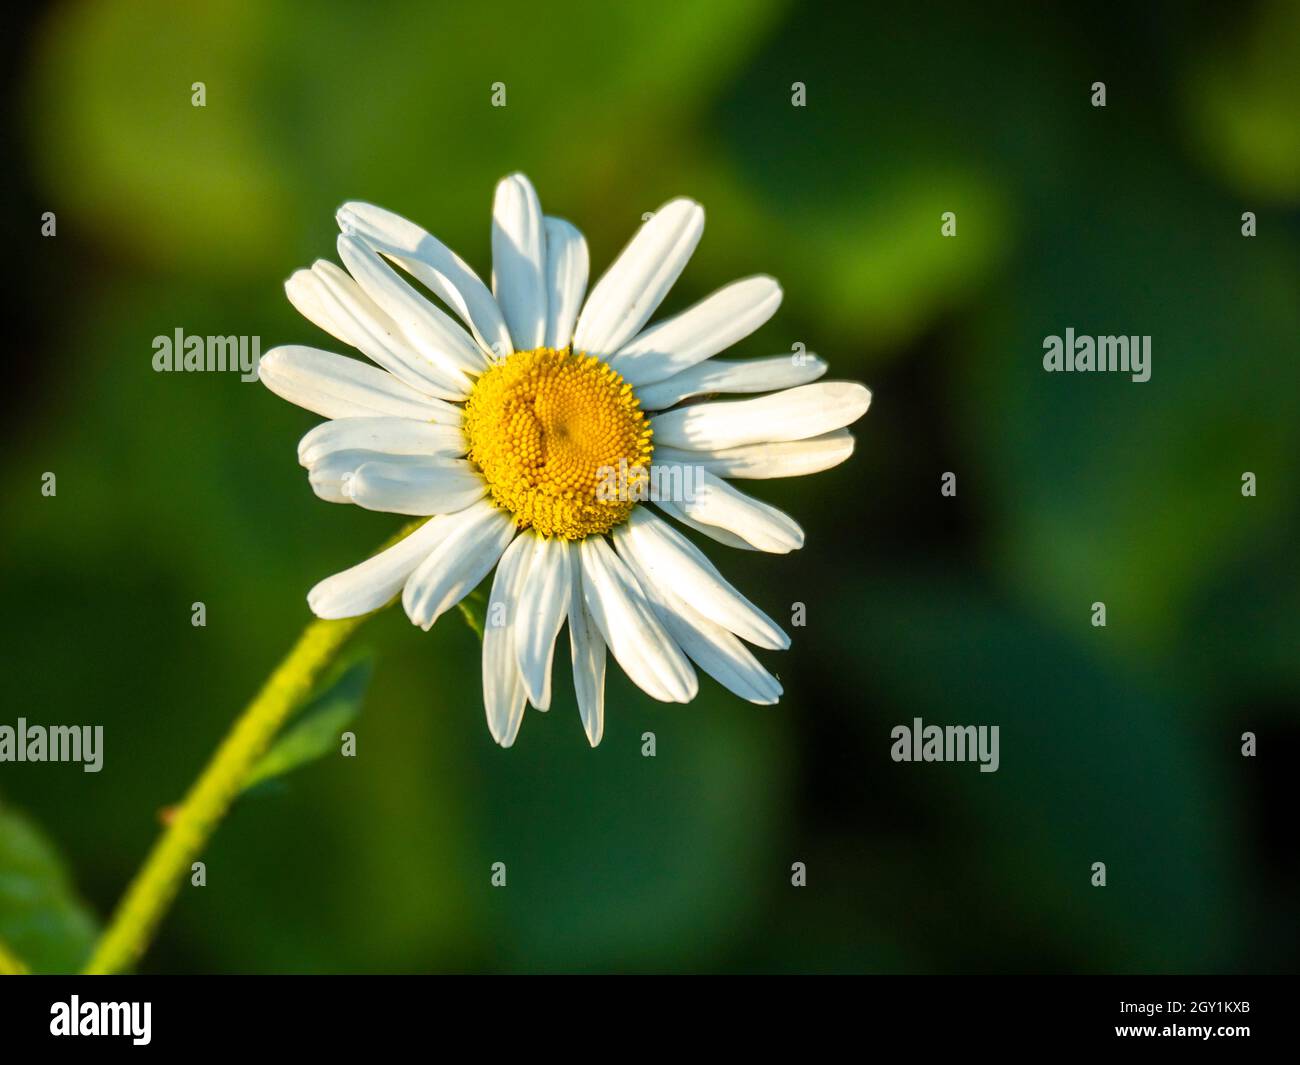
x=155 y=886
x=159 y=879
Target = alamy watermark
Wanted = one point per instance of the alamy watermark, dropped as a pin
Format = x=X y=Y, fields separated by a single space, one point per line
x=672 y=482
x=946 y=743
x=1108 y=354
x=131 y=1019
x=53 y=743
x=211 y=354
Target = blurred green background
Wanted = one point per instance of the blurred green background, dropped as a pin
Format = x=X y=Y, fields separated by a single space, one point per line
x=1119 y=744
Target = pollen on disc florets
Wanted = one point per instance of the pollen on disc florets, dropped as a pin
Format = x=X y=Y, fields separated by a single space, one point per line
x=552 y=431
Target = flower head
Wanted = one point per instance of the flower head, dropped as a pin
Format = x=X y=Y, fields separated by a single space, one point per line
x=541 y=426
x=535 y=430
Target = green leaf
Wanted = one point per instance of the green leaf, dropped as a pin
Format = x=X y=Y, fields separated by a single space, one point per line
x=316 y=729
x=1239 y=103
x=43 y=925
x=1128 y=492
x=262 y=163
x=1100 y=760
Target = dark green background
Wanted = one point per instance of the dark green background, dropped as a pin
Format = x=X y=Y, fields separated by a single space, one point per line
x=1118 y=744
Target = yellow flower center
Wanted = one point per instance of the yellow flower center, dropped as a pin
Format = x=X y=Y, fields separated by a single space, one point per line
x=561 y=439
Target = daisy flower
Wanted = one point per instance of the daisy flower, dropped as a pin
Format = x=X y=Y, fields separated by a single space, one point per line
x=537 y=431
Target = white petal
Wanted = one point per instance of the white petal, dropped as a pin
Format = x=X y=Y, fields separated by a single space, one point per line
x=670 y=561
x=326 y=474
x=567 y=264
x=791 y=458
x=431 y=331
x=519 y=260
x=630 y=629
x=543 y=605
x=389 y=436
x=329 y=297
x=732 y=375
x=631 y=289
x=504 y=697
x=699 y=332
x=434 y=265
x=306 y=291
x=337 y=387
x=374 y=582
x=674 y=510
x=760 y=525
x=474 y=541
x=587 y=653
x=794 y=414
x=329 y=473
x=380 y=339
x=427 y=486
x=710 y=646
